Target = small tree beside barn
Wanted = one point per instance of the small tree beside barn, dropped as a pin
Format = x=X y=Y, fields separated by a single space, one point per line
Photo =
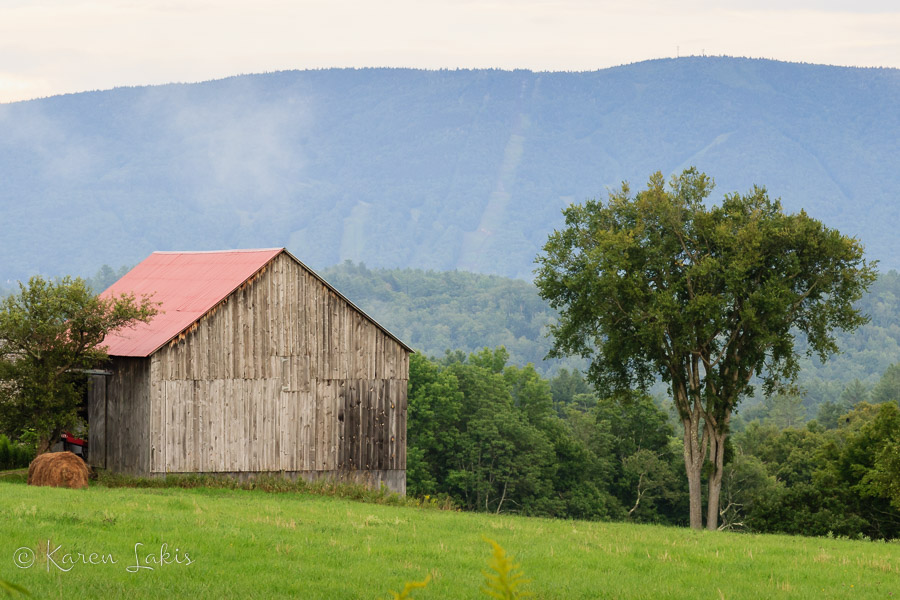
x=254 y=364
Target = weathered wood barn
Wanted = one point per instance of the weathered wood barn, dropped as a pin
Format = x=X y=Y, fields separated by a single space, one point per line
x=254 y=365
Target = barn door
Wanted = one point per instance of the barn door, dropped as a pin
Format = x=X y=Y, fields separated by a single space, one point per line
x=97 y=420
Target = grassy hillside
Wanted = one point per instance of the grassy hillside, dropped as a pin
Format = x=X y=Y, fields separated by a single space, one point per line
x=248 y=544
x=429 y=169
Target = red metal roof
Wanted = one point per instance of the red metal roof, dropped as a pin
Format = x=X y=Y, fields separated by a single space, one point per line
x=187 y=284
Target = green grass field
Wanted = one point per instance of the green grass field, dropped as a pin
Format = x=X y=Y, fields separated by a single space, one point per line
x=252 y=544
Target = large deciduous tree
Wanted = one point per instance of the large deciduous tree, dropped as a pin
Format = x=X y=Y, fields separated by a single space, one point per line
x=706 y=297
x=49 y=333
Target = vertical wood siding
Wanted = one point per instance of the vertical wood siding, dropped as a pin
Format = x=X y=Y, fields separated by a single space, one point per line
x=284 y=375
x=119 y=417
x=97 y=420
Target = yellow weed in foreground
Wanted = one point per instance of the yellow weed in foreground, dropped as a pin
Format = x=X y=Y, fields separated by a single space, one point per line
x=507 y=579
x=504 y=580
x=409 y=587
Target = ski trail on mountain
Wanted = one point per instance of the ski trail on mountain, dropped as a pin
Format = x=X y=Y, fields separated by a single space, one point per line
x=474 y=242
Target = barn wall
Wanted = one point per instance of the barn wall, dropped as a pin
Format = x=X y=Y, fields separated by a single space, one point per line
x=97 y=420
x=118 y=417
x=284 y=376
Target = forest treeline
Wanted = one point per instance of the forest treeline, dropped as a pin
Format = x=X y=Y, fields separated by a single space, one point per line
x=499 y=438
x=436 y=311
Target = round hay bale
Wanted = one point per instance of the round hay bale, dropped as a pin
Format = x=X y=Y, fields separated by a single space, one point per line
x=59 y=469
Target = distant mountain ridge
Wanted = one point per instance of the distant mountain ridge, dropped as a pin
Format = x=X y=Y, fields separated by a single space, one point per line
x=430 y=169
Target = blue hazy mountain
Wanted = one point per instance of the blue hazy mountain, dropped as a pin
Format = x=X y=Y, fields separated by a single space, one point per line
x=430 y=169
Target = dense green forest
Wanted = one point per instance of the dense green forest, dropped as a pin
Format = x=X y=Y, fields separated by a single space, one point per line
x=865 y=355
x=501 y=438
x=435 y=312
x=463 y=169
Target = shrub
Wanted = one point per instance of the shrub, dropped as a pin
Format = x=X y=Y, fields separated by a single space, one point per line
x=13 y=455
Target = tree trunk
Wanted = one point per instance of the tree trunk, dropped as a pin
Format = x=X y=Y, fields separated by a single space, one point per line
x=44 y=445
x=639 y=494
x=717 y=454
x=693 y=466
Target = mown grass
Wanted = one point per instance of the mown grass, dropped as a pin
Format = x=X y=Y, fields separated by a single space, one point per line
x=248 y=544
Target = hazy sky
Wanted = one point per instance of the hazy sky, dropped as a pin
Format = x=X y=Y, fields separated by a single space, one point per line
x=54 y=46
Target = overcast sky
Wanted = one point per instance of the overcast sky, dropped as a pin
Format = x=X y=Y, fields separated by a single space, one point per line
x=54 y=46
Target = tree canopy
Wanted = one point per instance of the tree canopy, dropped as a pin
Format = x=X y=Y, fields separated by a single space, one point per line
x=479 y=428
x=49 y=333
x=705 y=297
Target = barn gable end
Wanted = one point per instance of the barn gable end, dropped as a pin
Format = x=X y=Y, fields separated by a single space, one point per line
x=282 y=375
